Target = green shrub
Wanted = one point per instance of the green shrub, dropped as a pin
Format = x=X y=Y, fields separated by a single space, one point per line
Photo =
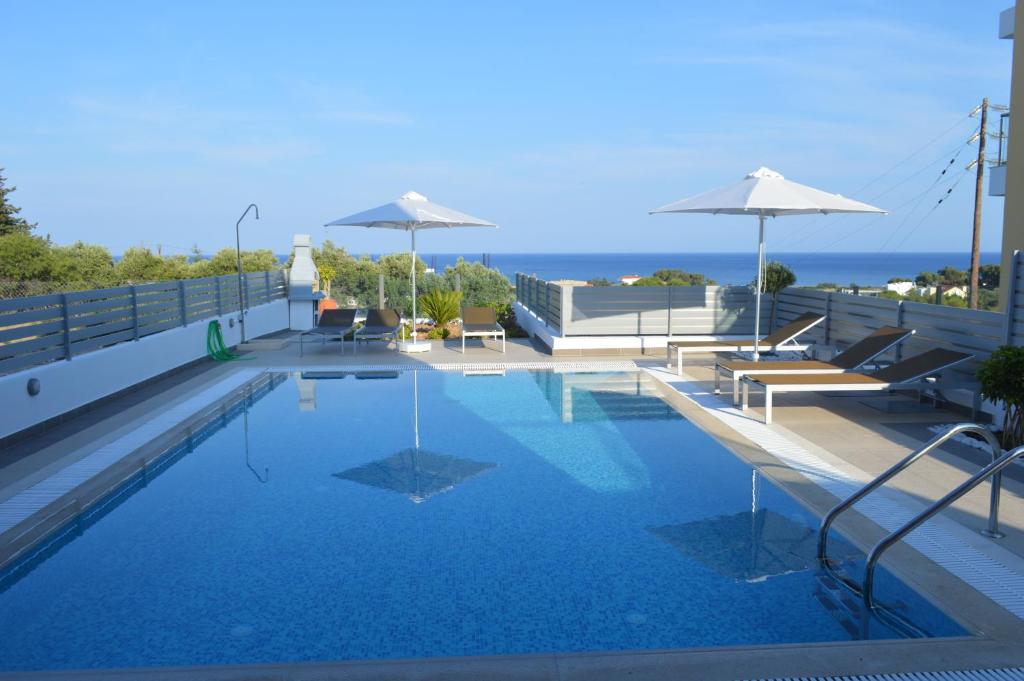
x=441 y=306
x=1002 y=381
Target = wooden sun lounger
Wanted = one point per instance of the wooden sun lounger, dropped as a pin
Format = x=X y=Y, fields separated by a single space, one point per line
x=908 y=374
x=381 y=324
x=780 y=340
x=854 y=357
x=481 y=322
x=331 y=323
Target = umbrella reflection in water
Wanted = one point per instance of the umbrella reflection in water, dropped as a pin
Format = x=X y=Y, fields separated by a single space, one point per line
x=417 y=473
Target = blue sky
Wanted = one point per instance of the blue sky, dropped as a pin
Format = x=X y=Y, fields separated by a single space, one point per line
x=147 y=123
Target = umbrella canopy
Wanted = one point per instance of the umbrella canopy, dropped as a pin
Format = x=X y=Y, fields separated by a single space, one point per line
x=411 y=212
x=766 y=193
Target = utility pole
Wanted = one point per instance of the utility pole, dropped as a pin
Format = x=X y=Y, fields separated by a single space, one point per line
x=978 y=193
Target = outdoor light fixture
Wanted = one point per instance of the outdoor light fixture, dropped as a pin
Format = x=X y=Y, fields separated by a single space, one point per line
x=33 y=387
x=238 y=257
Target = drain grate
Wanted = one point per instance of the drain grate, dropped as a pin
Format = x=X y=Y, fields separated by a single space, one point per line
x=472 y=366
x=1011 y=674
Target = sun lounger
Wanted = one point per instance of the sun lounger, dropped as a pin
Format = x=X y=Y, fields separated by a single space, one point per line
x=909 y=374
x=331 y=323
x=481 y=322
x=381 y=324
x=854 y=357
x=783 y=339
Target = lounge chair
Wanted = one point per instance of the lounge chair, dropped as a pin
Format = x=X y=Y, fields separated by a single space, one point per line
x=854 y=357
x=481 y=322
x=771 y=343
x=910 y=374
x=331 y=323
x=381 y=324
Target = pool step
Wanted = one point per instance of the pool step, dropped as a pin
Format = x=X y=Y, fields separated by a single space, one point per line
x=842 y=605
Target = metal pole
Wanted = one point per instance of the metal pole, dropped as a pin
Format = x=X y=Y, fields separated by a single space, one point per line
x=760 y=283
x=238 y=260
x=380 y=291
x=413 y=231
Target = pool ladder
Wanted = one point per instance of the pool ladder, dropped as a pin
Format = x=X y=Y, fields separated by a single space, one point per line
x=993 y=470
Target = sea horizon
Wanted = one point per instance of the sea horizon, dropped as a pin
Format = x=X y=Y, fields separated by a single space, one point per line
x=727 y=267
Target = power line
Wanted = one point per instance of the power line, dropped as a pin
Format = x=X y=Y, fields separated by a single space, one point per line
x=956 y=151
x=907 y=158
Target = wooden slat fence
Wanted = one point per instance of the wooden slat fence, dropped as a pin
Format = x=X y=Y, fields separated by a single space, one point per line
x=641 y=310
x=851 y=317
x=40 y=329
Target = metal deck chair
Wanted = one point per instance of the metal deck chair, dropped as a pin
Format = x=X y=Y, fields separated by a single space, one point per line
x=331 y=323
x=908 y=374
x=481 y=322
x=780 y=340
x=854 y=357
x=381 y=324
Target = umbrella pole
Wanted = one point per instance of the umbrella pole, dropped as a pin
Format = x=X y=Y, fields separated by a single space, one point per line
x=413 y=230
x=760 y=284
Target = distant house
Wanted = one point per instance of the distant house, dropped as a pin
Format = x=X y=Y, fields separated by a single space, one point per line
x=629 y=279
x=958 y=291
x=900 y=287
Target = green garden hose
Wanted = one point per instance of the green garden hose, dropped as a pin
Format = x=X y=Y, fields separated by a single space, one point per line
x=215 y=347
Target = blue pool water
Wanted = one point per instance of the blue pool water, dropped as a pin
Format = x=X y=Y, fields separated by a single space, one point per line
x=541 y=512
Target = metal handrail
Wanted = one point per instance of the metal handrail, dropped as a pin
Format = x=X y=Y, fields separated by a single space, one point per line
x=992 y=470
x=993 y=518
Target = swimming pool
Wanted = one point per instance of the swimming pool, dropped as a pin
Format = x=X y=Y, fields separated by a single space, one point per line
x=333 y=516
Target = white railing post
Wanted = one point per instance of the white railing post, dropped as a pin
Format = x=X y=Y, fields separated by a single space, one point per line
x=565 y=311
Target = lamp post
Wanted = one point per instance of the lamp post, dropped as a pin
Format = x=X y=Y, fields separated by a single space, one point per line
x=238 y=258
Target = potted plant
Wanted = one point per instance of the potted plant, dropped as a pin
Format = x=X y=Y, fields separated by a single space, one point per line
x=443 y=307
x=1002 y=381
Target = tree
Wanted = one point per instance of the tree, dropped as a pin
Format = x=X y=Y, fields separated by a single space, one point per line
x=24 y=257
x=481 y=286
x=674 y=277
x=897 y=280
x=10 y=223
x=988 y=276
x=925 y=279
x=1002 y=380
x=327 y=274
x=599 y=281
x=85 y=264
x=951 y=276
x=140 y=264
x=651 y=281
x=777 y=277
x=225 y=261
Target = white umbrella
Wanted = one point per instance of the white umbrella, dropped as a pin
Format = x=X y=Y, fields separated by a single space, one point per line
x=411 y=212
x=766 y=193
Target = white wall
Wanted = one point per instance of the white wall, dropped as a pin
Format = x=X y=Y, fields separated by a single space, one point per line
x=68 y=385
